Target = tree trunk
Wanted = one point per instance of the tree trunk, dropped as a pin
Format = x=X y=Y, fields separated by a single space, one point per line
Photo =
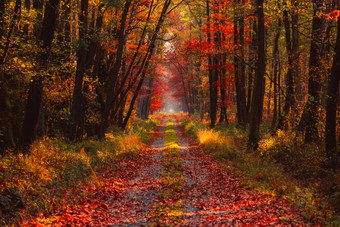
x=257 y=105
x=223 y=115
x=145 y=101
x=38 y=5
x=115 y=71
x=77 y=107
x=216 y=70
x=295 y=48
x=314 y=80
x=212 y=84
x=120 y=116
x=289 y=102
x=252 y=59
x=331 y=108
x=34 y=101
x=145 y=65
x=242 y=76
x=276 y=60
x=238 y=65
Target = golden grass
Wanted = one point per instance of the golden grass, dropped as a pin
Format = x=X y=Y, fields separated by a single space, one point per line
x=281 y=166
x=55 y=166
x=216 y=143
x=130 y=144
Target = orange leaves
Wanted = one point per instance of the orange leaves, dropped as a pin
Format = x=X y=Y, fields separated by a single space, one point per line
x=207 y=196
x=334 y=15
x=134 y=47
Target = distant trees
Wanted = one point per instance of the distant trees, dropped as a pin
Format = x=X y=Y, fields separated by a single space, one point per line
x=77 y=67
x=291 y=64
x=74 y=68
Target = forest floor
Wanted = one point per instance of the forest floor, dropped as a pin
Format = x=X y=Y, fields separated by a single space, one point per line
x=172 y=181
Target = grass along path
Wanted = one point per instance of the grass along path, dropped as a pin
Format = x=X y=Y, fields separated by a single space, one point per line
x=124 y=196
x=174 y=182
x=213 y=197
x=169 y=208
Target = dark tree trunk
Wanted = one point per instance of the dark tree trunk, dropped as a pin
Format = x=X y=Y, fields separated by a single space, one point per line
x=77 y=107
x=148 y=98
x=331 y=109
x=121 y=115
x=239 y=66
x=122 y=89
x=276 y=60
x=279 y=107
x=214 y=92
x=34 y=101
x=314 y=80
x=212 y=82
x=115 y=71
x=252 y=59
x=289 y=102
x=94 y=42
x=216 y=70
x=141 y=107
x=7 y=121
x=242 y=78
x=33 y=110
x=295 y=47
x=257 y=105
x=150 y=52
x=145 y=101
x=38 y=5
x=223 y=115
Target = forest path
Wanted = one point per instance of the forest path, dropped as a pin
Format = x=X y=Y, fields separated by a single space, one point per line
x=136 y=195
x=212 y=197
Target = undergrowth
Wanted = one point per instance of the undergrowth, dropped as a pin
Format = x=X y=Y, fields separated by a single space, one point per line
x=282 y=166
x=35 y=183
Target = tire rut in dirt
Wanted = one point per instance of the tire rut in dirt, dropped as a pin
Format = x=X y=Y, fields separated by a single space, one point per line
x=141 y=192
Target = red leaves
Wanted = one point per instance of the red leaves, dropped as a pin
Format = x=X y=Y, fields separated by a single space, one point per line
x=220 y=201
x=211 y=197
x=334 y=15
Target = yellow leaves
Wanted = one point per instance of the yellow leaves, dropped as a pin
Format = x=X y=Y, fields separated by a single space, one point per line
x=206 y=136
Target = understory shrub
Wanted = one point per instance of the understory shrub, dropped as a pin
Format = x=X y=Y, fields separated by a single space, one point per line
x=283 y=165
x=34 y=183
x=304 y=161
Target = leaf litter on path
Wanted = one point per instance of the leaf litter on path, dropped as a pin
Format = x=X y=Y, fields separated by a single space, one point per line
x=129 y=193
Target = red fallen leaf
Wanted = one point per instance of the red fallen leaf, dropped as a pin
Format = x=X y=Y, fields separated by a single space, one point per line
x=103 y=206
x=218 y=192
x=211 y=218
x=35 y=224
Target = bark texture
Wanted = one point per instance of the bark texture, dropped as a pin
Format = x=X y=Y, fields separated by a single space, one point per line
x=257 y=104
